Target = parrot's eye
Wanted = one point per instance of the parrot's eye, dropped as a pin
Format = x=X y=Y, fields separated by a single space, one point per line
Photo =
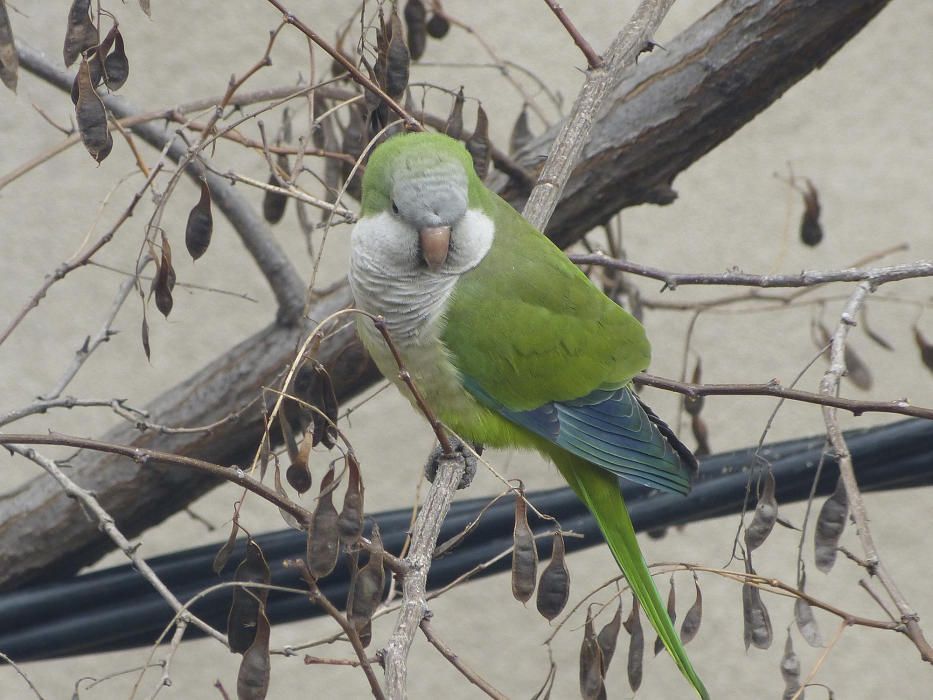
x=394 y=208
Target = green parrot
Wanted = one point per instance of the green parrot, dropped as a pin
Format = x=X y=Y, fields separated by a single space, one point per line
x=510 y=344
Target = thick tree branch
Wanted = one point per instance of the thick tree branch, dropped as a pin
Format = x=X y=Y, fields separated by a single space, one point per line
x=672 y=109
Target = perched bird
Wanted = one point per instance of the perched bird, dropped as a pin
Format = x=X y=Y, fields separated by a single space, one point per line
x=510 y=344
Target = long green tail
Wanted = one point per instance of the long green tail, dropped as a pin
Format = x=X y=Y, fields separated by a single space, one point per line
x=599 y=490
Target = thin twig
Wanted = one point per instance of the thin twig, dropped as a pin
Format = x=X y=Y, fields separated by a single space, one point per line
x=593 y=59
x=166 y=679
x=22 y=674
x=458 y=663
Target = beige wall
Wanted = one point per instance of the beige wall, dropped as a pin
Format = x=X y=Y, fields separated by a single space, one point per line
x=859 y=127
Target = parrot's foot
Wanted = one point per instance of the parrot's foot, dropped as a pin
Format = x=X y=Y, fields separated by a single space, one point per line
x=430 y=469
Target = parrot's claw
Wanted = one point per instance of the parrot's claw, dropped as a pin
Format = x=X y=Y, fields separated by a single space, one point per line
x=430 y=469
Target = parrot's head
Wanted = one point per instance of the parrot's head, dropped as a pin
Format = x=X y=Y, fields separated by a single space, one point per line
x=420 y=208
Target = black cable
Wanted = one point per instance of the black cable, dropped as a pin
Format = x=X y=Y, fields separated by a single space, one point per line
x=117 y=608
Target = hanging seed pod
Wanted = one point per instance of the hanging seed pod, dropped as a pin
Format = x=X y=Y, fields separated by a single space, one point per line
x=671 y=613
x=454 y=126
x=521 y=133
x=806 y=623
x=223 y=554
x=298 y=473
x=289 y=519
x=322 y=395
x=145 y=336
x=273 y=203
x=554 y=586
x=9 y=61
x=200 y=225
x=323 y=538
x=829 y=526
x=875 y=337
x=116 y=64
x=790 y=669
x=765 y=516
x=244 y=610
x=925 y=347
x=757 y=622
x=524 y=553
x=636 y=647
x=438 y=26
x=367 y=589
x=856 y=369
x=811 y=232
x=478 y=144
x=701 y=435
x=415 y=22
x=252 y=681
x=694 y=404
x=81 y=34
x=591 y=664
x=91 y=116
x=608 y=637
x=164 y=281
x=398 y=60
x=144 y=6
x=350 y=520
x=691 y=624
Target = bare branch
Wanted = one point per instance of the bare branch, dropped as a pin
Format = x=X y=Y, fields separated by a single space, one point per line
x=458 y=663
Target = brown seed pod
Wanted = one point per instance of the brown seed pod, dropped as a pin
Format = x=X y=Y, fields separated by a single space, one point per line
x=367 y=589
x=608 y=637
x=636 y=647
x=806 y=623
x=398 y=60
x=252 y=681
x=701 y=435
x=554 y=586
x=691 y=624
x=164 y=281
x=591 y=664
x=200 y=225
x=91 y=116
x=244 y=609
x=829 y=526
x=323 y=537
x=478 y=144
x=765 y=516
x=438 y=26
x=273 y=203
x=925 y=347
x=144 y=6
x=521 y=132
x=454 y=126
x=757 y=622
x=415 y=22
x=298 y=473
x=9 y=61
x=524 y=553
x=81 y=34
x=790 y=669
x=145 y=337
x=223 y=554
x=116 y=64
x=350 y=520
x=811 y=232
x=671 y=613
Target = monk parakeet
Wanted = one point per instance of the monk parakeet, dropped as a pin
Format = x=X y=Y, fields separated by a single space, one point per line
x=510 y=343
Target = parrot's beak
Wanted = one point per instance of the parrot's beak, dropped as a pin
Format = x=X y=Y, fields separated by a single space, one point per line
x=435 y=242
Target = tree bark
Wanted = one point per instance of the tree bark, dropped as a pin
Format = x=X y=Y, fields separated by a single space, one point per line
x=663 y=116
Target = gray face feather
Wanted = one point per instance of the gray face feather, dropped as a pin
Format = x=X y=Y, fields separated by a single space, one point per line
x=430 y=194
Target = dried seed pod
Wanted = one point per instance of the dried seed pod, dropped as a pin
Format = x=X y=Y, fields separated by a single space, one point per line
x=636 y=647
x=145 y=335
x=321 y=394
x=591 y=664
x=9 y=61
x=323 y=538
x=829 y=526
x=524 y=553
x=164 y=281
x=701 y=435
x=694 y=404
x=806 y=623
x=765 y=516
x=438 y=26
x=223 y=554
x=925 y=347
x=144 y=6
x=116 y=64
x=790 y=669
x=273 y=203
x=454 y=126
x=811 y=232
x=608 y=636
x=856 y=369
x=252 y=681
x=478 y=144
x=81 y=34
x=200 y=225
x=350 y=520
x=244 y=610
x=554 y=586
x=757 y=622
x=367 y=589
x=415 y=22
x=671 y=612
x=691 y=624
x=91 y=116
x=521 y=132
x=876 y=337
x=298 y=473
x=289 y=519
x=398 y=60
